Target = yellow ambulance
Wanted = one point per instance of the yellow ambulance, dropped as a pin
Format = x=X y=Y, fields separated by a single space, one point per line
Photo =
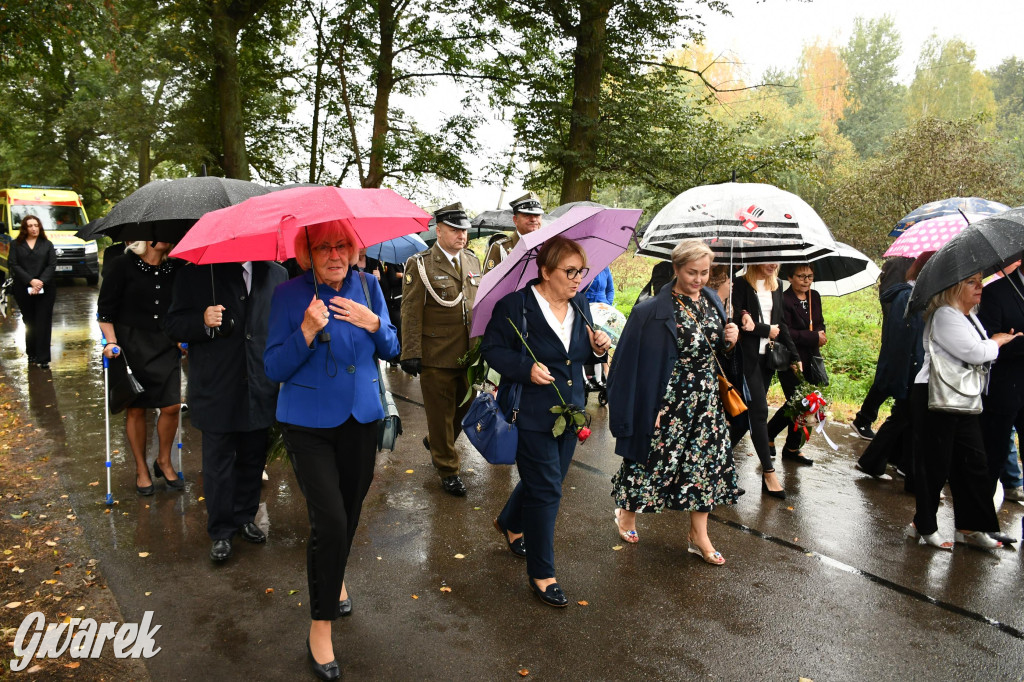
x=60 y=211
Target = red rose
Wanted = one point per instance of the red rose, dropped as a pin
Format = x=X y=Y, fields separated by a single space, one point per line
x=583 y=434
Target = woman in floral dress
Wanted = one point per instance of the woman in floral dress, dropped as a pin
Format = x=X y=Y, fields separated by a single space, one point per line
x=665 y=410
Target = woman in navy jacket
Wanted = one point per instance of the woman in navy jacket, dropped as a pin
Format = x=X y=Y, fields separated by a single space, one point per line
x=558 y=329
x=324 y=354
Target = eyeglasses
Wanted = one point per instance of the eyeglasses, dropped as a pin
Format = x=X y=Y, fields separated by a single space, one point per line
x=328 y=250
x=807 y=276
x=573 y=273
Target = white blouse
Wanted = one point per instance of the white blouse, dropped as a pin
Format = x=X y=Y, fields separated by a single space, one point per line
x=562 y=329
x=956 y=338
x=764 y=299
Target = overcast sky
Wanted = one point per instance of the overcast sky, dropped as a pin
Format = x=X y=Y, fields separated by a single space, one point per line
x=772 y=33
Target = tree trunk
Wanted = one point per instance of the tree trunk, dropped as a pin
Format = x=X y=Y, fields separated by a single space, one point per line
x=587 y=74
x=229 y=97
x=384 y=84
x=314 y=142
x=145 y=166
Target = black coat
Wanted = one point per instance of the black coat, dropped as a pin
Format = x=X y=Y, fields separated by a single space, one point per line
x=744 y=298
x=502 y=350
x=902 y=352
x=228 y=390
x=798 y=322
x=641 y=369
x=27 y=264
x=1002 y=310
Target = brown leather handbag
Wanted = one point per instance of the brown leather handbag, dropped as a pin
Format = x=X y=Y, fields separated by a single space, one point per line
x=731 y=398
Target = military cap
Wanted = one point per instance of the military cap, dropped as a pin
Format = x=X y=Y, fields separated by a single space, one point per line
x=529 y=204
x=453 y=215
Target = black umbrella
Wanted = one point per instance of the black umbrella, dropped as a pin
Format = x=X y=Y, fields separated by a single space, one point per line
x=91 y=229
x=560 y=211
x=164 y=210
x=430 y=236
x=986 y=246
x=495 y=220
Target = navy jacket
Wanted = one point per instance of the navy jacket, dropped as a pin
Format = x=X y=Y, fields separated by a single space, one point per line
x=902 y=352
x=324 y=384
x=1002 y=310
x=502 y=350
x=227 y=388
x=641 y=369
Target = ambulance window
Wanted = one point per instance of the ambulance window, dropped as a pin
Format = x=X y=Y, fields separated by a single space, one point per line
x=52 y=217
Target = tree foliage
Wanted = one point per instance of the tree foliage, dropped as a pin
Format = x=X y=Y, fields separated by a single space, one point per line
x=946 y=85
x=875 y=96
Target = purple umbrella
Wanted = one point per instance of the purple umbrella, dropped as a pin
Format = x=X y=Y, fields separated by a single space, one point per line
x=604 y=233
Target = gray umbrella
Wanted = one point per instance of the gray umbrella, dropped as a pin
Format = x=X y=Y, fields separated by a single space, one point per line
x=430 y=236
x=560 y=211
x=495 y=220
x=986 y=246
x=164 y=210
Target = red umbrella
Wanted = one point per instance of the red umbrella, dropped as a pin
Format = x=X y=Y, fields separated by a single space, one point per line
x=264 y=227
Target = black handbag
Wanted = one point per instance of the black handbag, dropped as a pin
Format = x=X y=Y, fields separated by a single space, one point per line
x=390 y=427
x=122 y=386
x=815 y=371
x=779 y=357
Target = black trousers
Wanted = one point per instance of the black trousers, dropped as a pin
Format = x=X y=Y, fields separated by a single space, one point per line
x=232 y=476
x=997 y=428
x=334 y=468
x=949 y=447
x=872 y=403
x=757 y=413
x=531 y=509
x=779 y=420
x=892 y=443
x=37 y=314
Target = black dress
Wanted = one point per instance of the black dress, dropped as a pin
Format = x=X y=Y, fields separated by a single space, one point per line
x=135 y=297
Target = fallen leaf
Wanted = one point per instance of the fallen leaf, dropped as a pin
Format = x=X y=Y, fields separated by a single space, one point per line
x=789 y=508
x=148 y=593
x=41 y=516
x=476 y=508
x=72 y=665
x=617 y=547
x=269 y=590
x=460 y=556
x=64 y=497
x=446 y=589
x=19 y=516
x=409 y=471
x=415 y=596
x=524 y=672
x=95 y=483
x=13 y=604
x=143 y=554
x=291 y=592
x=71 y=517
x=51 y=543
x=34 y=669
x=583 y=603
x=17 y=570
x=115 y=452
x=106 y=511
x=80 y=608
x=200 y=499
x=50 y=582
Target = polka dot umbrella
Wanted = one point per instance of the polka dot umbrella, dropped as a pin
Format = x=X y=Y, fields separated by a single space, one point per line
x=927 y=235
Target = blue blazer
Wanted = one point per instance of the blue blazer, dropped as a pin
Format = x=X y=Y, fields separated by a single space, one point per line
x=641 y=369
x=324 y=384
x=503 y=351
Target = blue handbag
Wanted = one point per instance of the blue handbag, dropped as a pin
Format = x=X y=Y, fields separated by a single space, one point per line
x=495 y=437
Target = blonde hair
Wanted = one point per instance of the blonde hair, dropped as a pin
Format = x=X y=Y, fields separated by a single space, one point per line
x=324 y=233
x=770 y=283
x=136 y=247
x=950 y=297
x=690 y=250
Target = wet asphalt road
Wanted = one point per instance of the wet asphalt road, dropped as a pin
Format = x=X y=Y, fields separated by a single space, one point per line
x=822 y=585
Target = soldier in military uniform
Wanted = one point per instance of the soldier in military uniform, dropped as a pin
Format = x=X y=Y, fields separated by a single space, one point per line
x=437 y=299
x=526 y=213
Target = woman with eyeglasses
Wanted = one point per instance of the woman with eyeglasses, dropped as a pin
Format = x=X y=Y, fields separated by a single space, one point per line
x=757 y=305
x=325 y=337
x=803 y=317
x=32 y=260
x=554 y=318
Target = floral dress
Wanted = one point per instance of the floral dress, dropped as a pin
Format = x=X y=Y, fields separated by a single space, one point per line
x=689 y=467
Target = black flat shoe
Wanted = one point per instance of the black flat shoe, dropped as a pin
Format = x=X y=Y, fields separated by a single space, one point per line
x=453 y=485
x=324 y=671
x=252 y=533
x=426 y=443
x=221 y=550
x=345 y=607
x=553 y=596
x=174 y=483
x=779 y=494
x=1005 y=539
x=797 y=457
x=517 y=546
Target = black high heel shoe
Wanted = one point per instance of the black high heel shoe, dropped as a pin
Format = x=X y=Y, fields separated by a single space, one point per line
x=324 y=671
x=174 y=483
x=778 y=494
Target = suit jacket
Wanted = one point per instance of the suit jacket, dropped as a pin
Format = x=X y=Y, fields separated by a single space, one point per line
x=641 y=369
x=1002 y=309
x=745 y=298
x=323 y=384
x=503 y=351
x=27 y=264
x=435 y=333
x=798 y=322
x=228 y=390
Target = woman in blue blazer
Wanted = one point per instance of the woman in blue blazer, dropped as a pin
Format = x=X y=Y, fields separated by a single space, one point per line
x=554 y=318
x=324 y=353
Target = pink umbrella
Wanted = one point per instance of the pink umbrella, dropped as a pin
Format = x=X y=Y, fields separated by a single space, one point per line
x=927 y=235
x=266 y=229
x=604 y=233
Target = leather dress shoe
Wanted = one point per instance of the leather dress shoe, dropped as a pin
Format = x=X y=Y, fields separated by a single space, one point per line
x=221 y=550
x=252 y=533
x=324 y=671
x=345 y=607
x=552 y=596
x=453 y=485
x=797 y=457
x=426 y=443
x=517 y=546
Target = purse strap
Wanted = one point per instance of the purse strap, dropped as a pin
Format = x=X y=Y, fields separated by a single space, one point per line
x=810 y=311
x=376 y=361
x=517 y=389
x=701 y=330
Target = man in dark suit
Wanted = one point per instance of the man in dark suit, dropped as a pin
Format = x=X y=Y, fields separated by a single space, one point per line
x=222 y=311
x=1002 y=310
